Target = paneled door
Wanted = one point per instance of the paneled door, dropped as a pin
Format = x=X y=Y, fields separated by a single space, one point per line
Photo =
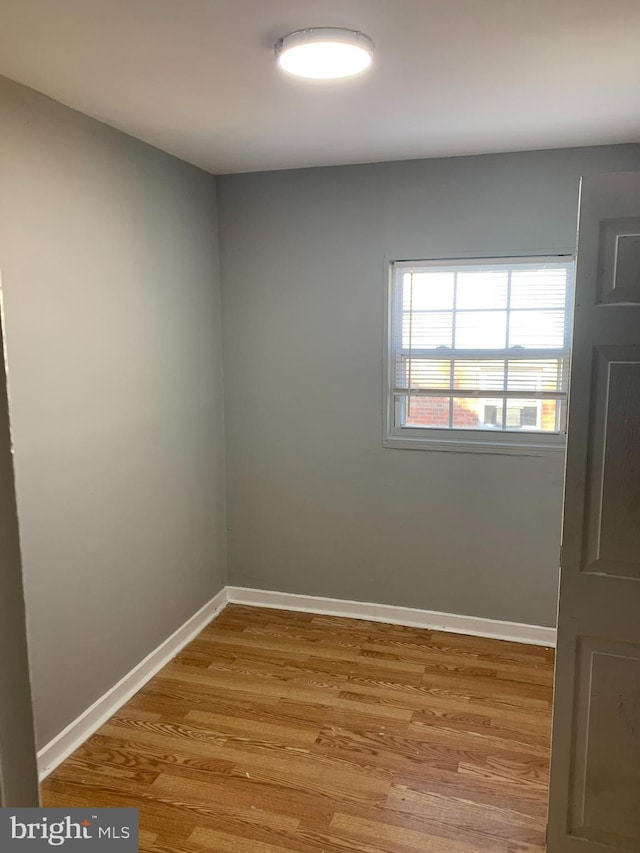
x=18 y=773
x=595 y=760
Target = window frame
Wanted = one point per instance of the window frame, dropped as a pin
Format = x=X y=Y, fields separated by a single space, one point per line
x=468 y=440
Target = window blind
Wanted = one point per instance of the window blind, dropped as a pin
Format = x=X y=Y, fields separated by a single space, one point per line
x=482 y=344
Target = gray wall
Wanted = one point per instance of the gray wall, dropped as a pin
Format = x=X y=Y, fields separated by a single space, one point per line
x=316 y=505
x=110 y=275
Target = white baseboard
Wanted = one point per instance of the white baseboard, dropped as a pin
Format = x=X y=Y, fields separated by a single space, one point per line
x=477 y=626
x=74 y=735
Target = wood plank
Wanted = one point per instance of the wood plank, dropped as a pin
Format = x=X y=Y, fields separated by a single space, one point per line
x=401 y=839
x=276 y=731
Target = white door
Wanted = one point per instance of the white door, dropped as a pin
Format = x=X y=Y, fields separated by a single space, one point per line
x=595 y=760
x=18 y=774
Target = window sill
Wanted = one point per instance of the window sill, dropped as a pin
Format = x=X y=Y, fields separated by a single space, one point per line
x=465 y=445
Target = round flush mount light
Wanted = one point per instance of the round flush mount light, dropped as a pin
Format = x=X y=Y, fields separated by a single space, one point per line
x=324 y=53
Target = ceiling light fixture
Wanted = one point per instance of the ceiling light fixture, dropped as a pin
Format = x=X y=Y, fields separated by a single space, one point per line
x=324 y=53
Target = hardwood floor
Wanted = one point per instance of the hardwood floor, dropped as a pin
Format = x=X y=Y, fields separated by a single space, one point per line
x=276 y=731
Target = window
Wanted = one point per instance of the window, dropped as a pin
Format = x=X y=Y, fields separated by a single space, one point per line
x=479 y=353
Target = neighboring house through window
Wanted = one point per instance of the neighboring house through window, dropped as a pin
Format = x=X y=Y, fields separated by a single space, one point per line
x=479 y=353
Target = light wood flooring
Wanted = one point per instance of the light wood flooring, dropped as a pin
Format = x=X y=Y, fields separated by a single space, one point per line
x=276 y=731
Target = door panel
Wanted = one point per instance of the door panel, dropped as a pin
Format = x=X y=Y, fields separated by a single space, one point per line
x=595 y=765
x=18 y=773
x=609 y=744
x=613 y=516
x=619 y=261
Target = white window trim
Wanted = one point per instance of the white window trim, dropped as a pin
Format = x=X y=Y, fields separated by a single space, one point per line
x=464 y=441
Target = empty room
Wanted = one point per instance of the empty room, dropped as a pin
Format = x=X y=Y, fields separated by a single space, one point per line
x=320 y=426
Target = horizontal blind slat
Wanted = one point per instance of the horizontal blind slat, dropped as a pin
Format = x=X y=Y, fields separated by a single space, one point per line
x=468 y=392
x=457 y=374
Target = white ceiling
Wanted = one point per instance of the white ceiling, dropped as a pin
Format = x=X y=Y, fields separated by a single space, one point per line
x=198 y=78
